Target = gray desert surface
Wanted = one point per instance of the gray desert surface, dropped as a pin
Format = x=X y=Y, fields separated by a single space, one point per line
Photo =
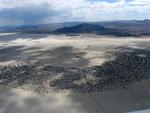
x=77 y=74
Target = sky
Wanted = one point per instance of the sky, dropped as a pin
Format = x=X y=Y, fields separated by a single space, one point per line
x=28 y=12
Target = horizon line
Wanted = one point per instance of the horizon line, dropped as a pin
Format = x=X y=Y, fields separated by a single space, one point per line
x=73 y=22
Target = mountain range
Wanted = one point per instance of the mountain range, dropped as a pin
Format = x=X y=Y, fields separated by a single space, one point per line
x=90 y=28
x=116 y=28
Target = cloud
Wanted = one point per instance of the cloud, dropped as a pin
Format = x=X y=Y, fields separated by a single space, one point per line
x=110 y=1
x=30 y=14
x=14 y=12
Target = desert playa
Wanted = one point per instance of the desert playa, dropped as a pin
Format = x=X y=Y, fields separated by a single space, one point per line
x=75 y=74
x=79 y=51
x=134 y=99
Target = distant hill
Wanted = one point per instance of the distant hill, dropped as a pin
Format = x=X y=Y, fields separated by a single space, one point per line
x=90 y=28
x=41 y=28
x=117 y=28
x=81 y=28
x=134 y=27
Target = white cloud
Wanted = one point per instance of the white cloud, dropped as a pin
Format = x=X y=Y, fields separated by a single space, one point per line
x=84 y=10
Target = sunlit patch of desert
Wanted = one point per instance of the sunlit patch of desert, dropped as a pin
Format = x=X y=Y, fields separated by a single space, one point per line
x=82 y=50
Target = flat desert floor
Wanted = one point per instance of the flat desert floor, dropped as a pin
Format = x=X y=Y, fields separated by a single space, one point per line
x=75 y=51
x=42 y=73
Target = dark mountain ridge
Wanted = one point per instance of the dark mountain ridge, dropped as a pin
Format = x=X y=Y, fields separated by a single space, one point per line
x=117 y=28
x=90 y=28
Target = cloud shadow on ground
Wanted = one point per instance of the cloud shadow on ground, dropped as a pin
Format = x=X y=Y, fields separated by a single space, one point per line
x=116 y=86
